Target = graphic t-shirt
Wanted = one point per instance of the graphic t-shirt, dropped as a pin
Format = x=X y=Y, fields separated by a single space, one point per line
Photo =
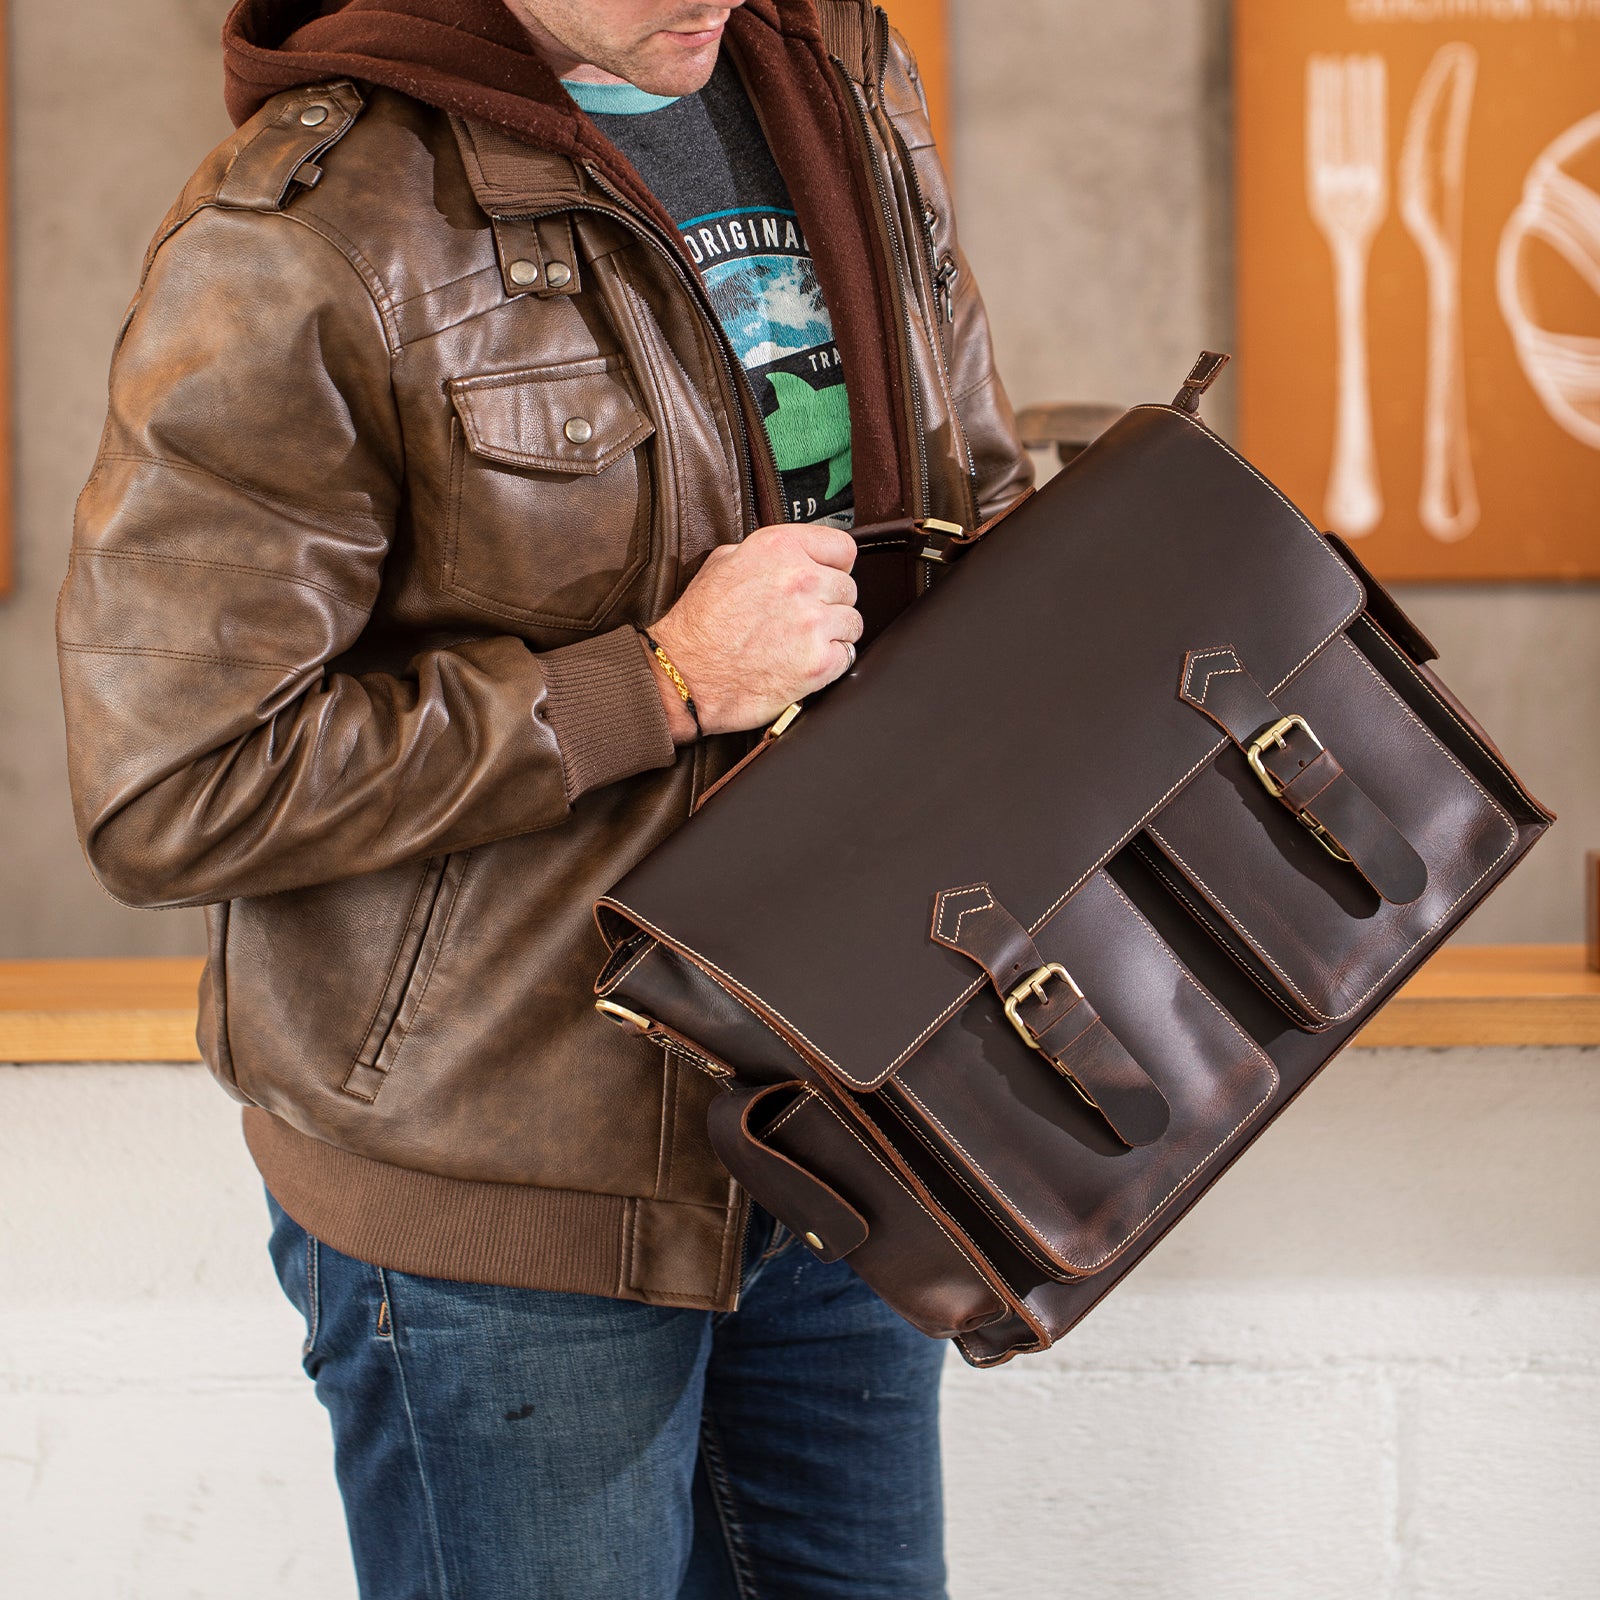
x=706 y=160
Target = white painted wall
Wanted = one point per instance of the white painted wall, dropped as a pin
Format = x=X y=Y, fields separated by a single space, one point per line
x=1366 y=1368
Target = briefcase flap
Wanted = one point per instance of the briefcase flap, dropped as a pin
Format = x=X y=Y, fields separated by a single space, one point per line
x=1015 y=727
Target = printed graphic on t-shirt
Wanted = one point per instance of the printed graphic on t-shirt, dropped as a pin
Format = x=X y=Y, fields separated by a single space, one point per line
x=706 y=160
x=756 y=264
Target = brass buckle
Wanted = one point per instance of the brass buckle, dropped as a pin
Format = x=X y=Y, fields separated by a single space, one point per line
x=945 y=538
x=1033 y=985
x=1277 y=734
x=623 y=1017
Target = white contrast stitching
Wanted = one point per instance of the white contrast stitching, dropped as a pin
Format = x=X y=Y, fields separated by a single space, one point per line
x=1215 y=672
x=798 y=1106
x=1025 y=1241
x=1210 y=922
x=1252 y=1049
x=752 y=1001
x=967 y=1252
x=948 y=898
x=1380 y=637
x=1232 y=917
x=649 y=949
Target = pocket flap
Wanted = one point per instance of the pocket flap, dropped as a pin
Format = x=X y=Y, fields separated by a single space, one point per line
x=580 y=416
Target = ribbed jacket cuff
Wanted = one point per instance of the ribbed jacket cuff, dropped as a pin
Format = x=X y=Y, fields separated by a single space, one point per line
x=604 y=708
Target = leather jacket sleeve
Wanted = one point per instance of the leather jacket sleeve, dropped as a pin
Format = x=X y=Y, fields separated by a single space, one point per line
x=1001 y=467
x=229 y=549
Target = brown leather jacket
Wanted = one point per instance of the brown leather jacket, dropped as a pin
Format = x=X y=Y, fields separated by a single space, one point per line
x=349 y=656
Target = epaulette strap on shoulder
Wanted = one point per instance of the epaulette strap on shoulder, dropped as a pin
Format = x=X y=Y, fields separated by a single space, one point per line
x=289 y=132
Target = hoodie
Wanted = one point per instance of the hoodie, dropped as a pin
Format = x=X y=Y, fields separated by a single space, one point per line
x=474 y=59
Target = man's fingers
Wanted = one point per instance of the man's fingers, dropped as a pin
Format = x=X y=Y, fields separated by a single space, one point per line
x=845 y=623
x=835 y=588
x=832 y=547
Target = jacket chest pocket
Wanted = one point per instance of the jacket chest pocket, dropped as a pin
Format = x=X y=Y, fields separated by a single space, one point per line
x=550 y=493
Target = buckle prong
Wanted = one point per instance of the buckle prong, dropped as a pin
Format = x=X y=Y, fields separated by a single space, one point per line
x=1033 y=985
x=1277 y=734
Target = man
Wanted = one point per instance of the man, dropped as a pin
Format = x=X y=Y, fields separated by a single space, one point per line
x=481 y=444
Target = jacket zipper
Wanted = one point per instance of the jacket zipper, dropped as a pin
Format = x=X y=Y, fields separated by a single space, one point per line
x=740 y=393
x=942 y=275
x=739 y=390
x=738 y=1259
x=897 y=262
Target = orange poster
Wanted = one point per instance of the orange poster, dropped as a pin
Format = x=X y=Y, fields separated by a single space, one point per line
x=923 y=24
x=1419 y=276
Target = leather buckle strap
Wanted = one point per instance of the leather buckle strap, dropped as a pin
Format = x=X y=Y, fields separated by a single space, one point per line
x=1033 y=985
x=1277 y=735
x=1303 y=775
x=1061 y=1024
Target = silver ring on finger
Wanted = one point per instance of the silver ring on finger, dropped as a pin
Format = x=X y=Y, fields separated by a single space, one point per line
x=850 y=654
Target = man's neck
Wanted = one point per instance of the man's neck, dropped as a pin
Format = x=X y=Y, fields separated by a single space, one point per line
x=558 y=57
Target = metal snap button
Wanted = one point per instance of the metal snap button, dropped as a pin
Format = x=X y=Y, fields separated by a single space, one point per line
x=813 y=1241
x=578 y=430
x=314 y=116
x=522 y=273
x=558 y=274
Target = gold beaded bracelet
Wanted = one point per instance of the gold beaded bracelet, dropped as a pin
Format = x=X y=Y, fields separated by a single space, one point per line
x=676 y=679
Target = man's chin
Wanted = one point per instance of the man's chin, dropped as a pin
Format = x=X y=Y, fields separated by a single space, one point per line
x=672 y=70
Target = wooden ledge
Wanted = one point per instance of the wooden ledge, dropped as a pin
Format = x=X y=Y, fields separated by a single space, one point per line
x=1494 y=994
x=1534 y=994
x=98 y=1010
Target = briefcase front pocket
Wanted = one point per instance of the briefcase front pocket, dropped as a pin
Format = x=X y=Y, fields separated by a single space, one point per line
x=1304 y=923
x=1028 y=1140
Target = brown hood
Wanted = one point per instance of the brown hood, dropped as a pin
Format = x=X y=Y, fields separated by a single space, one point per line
x=473 y=58
x=466 y=56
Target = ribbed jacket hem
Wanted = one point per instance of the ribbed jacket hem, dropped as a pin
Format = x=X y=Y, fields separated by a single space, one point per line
x=604 y=707
x=664 y=1253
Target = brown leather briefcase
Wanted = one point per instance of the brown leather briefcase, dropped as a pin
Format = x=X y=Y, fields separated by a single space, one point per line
x=1010 y=943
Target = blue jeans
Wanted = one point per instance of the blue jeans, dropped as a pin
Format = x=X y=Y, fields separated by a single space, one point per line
x=517 y=1444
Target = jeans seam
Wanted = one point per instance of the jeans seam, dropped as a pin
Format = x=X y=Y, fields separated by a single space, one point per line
x=779 y=1241
x=722 y=1498
x=416 y=1443
x=313 y=1295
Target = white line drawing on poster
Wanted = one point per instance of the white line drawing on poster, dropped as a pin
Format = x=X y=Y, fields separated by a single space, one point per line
x=1564 y=368
x=1347 y=188
x=1429 y=182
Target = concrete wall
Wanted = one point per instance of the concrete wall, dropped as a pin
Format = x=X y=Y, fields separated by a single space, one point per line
x=1367 y=1366
x=1365 y=1369
x=1093 y=160
x=1092 y=153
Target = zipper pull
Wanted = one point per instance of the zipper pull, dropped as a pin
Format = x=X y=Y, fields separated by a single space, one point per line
x=946 y=282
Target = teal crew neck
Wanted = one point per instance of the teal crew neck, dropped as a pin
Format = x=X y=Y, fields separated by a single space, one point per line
x=615 y=99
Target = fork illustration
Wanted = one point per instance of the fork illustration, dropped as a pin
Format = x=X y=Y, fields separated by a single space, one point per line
x=1347 y=189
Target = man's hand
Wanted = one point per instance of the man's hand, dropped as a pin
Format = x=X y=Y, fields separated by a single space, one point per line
x=761 y=624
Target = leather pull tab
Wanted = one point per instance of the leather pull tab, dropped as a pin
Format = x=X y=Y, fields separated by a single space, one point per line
x=741 y=1123
x=1050 y=1012
x=1201 y=376
x=1086 y=1052
x=1289 y=759
x=972 y=921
